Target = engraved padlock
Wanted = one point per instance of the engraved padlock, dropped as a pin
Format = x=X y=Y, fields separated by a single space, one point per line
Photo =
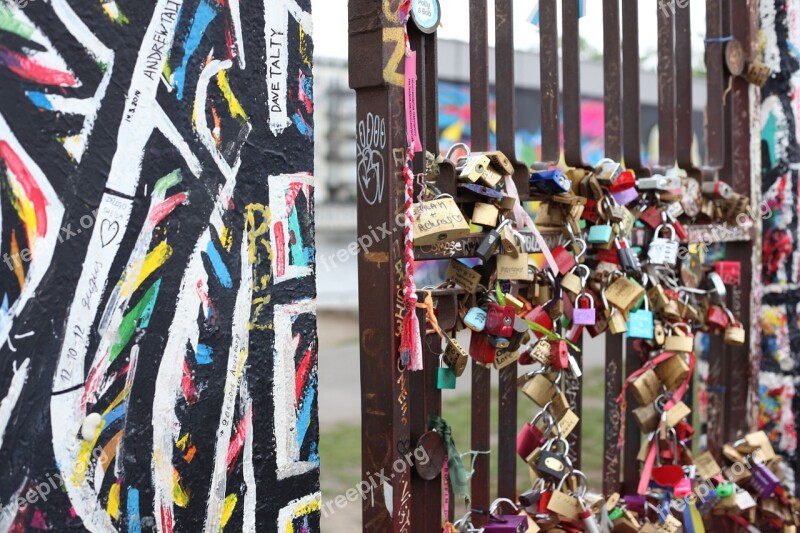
x=554 y=464
x=676 y=342
x=455 y=356
x=663 y=251
x=584 y=316
x=641 y=323
x=764 y=480
x=541 y=352
x=475 y=319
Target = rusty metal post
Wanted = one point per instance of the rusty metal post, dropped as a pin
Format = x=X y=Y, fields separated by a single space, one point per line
x=378 y=81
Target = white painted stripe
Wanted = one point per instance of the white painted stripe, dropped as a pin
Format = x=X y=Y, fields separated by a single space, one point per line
x=288 y=513
x=236 y=21
x=165 y=126
x=12 y=397
x=248 y=471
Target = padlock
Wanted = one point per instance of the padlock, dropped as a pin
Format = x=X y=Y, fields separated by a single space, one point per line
x=550 y=214
x=538 y=315
x=445 y=378
x=499 y=320
x=552 y=464
x=764 y=481
x=498 y=161
x=500 y=343
x=584 y=316
x=550 y=182
x=679 y=341
x=641 y=323
x=625 y=196
x=729 y=271
x=491 y=177
x=717 y=318
x=647 y=417
x=541 y=352
x=517 y=337
x=646 y=387
x=480 y=349
x=539 y=389
x=628 y=259
x=531 y=436
x=564 y=504
x=734 y=333
x=607 y=171
x=489 y=245
x=437 y=221
x=502 y=523
x=565 y=261
x=717 y=189
x=652 y=217
x=541 y=290
x=623 y=294
x=475 y=319
x=485 y=214
x=600 y=235
x=571 y=282
x=616 y=322
x=673 y=371
x=455 y=356
x=559 y=355
x=663 y=251
x=472 y=167
x=670 y=474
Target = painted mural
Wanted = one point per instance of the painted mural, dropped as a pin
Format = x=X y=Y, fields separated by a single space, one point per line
x=158 y=349
x=780 y=154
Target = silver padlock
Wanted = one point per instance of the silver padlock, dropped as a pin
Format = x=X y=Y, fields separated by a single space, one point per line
x=663 y=251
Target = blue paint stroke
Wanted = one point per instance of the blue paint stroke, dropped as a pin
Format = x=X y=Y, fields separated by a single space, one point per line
x=205 y=14
x=203 y=354
x=304 y=416
x=114 y=415
x=144 y=321
x=302 y=126
x=296 y=247
x=39 y=100
x=134 y=523
x=220 y=270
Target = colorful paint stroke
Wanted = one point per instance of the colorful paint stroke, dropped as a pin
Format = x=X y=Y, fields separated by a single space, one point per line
x=157 y=315
x=780 y=156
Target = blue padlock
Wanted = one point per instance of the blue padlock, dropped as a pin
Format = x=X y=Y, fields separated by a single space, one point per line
x=550 y=182
x=475 y=319
x=600 y=234
x=641 y=324
x=499 y=342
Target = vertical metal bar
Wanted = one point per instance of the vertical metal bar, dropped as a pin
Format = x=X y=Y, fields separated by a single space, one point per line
x=611 y=462
x=377 y=79
x=548 y=66
x=631 y=127
x=633 y=437
x=715 y=136
x=683 y=90
x=570 y=52
x=481 y=396
x=666 y=87
x=612 y=93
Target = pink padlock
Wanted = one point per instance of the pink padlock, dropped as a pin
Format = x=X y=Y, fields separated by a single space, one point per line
x=625 y=196
x=683 y=487
x=531 y=437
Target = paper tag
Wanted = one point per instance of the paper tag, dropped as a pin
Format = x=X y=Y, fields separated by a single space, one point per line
x=463 y=275
x=677 y=413
x=412 y=120
x=707 y=466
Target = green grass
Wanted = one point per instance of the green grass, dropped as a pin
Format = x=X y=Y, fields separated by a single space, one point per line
x=340 y=447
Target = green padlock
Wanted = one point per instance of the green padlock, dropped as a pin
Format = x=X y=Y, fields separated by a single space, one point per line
x=600 y=234
x=616 y=513
x=725 y=489
x=445 y=378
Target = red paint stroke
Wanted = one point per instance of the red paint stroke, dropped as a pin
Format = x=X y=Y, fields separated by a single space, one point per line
x=166 y=207
x=187 y=384
x=280 y=252
x=29 y=185
x=301 y=377
x=93 y=381
x=235 y=447
x=38 y=521
x=206 y=300
x=302 y=95
x=28 y=69
x=166 y=519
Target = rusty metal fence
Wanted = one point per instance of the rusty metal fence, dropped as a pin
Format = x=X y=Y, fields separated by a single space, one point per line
x=396 y=404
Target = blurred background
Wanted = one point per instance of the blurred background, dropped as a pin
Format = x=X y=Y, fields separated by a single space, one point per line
x=335 y=175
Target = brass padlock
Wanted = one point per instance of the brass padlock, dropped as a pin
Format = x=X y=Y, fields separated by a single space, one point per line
x=647 y=417
x=485 y=214
x=498 y=161
x=491 y=177
x=472 y=167
x=504 y=358
x=659 y=336
x=571 y=283
x=646 y=388
x=673 y=371
x=539 y=389
x=734 y=333
x=658 y=298
x=680 y=341
x=623 y=293
x=616 y=322
x=549 y=215
x=541 y=352
x=455 y=356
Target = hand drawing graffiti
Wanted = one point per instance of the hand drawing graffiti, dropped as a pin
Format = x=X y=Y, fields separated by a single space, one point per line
x=371 y=139
x=155 y=323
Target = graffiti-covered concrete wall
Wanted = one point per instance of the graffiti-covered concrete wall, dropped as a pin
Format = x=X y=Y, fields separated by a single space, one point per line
x=780 y=163
x=157 y=299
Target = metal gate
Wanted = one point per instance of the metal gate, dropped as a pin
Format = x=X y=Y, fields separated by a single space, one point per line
x=396 y=403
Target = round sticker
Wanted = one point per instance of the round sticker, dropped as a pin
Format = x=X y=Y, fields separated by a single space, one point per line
x=426 y=14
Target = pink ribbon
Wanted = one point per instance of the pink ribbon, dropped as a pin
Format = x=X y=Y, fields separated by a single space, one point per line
x=522 y=218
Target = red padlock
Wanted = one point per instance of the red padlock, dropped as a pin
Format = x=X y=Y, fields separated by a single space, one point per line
x=480 y=349
x=531 y=437
x=565 y=261
x=625 y=180
x=608 y=256
x=717 y=318
x=684 y=430
x=544 y=501
x=680 y=231
x=590 y=213
x=652 y=217
x=729 y=271
x=539 y=315
x=499 y=320
x=559 y=355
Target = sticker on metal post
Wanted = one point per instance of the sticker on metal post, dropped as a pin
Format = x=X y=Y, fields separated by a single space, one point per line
x=426 y=14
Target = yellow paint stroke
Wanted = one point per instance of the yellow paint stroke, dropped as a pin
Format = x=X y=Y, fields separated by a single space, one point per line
x=179 y=495
x=154 y=260
x=226 y=238
x=299 y=512
x=224 y=85
x=110 y=451
x=227 y=510
x=253 y=230
x=16 y=260
x=113 y=501
x=25 y=210
x=391 y=74
x=304 y=52
x=81 y=466
x=185 y=446
x=181 y=444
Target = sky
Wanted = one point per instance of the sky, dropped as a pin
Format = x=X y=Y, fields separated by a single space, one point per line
x=330 y=26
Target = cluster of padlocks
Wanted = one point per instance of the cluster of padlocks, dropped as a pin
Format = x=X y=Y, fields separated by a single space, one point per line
x=602 y=277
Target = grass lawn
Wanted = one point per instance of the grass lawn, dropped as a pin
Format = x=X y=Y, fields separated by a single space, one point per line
x=340 y=447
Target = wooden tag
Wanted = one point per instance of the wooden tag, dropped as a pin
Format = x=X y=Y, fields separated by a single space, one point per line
x=677 y=413
x=463 y=275
x=504 y=358
x=512 y=268
x=438 y=221
x=707 y=466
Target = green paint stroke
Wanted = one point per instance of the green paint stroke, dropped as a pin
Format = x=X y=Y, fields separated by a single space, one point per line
x=768 y=135
x=168 y=181
x=138 y=315
x=10 y=24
